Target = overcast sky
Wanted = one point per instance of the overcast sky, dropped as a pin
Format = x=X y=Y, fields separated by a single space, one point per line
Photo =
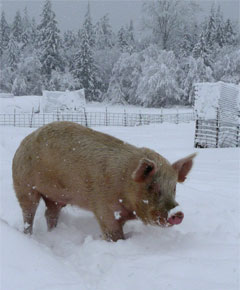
x=70 y=13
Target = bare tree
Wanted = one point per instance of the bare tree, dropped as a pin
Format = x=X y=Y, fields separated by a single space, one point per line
x=168 y=19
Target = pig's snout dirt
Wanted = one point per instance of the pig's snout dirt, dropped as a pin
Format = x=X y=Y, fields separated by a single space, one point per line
x=176 y=218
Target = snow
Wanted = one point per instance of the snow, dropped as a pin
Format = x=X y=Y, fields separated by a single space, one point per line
x=210 y=96
x=68 y=100
x=26 y=104
x=200 y=253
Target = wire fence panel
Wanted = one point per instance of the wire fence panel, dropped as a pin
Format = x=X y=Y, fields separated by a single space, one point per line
x=91 y=119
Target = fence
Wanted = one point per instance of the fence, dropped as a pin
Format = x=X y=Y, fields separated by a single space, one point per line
x=216 y=133
x=217 y=115
x=91 y=119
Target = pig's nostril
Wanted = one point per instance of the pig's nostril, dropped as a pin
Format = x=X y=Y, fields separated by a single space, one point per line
x=176 y=218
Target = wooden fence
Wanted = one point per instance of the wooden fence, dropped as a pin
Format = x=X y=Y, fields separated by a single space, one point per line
x=91 y=119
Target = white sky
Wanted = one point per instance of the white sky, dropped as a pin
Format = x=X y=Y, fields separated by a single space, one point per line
x=70 y=13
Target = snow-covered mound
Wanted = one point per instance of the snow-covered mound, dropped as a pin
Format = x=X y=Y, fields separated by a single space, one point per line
x=65 y=101
x=22 y=104
x=50 y=101
x=200 y=253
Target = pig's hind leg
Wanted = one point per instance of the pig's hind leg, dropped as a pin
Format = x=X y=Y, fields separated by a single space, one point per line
x=28 y=200
x=52 y=212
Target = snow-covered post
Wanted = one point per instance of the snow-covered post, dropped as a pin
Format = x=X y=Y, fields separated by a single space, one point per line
x=161 y=115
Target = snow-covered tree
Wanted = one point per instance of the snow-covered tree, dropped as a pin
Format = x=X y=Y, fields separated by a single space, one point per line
x=13 y=52
x=193 y=71
x=4 y=33
x=125 y=38
x=88 y=27
x=104 y=36
x=49 y=42
x=229 y=34
x=167 y=20
x=17 y=27
x=71 y=44
x=125 y=79
x=85 y=70
x=227 y=65
x=158 y=84
x=19 y=86
x=210 y=33
x=105 y=60
x=202 y=50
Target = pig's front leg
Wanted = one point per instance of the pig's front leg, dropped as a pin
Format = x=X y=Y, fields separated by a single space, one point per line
x=111 y=228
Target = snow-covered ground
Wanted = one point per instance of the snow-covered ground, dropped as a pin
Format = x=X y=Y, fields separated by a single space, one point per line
x=201 y=253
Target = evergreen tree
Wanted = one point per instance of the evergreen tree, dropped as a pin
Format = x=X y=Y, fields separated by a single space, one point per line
x=70 y=45
x=186 y=46
x=210 y=32
x=104 y=34
x=27 y=29
x=85 y=70
x=219 y=37
x=229 y=34
x=4 y=33
x=202 y=50
x=49 y=42
x=88 y=26
x=122 y=39
x=13 y=53
x=126 y=41
x=17 y=27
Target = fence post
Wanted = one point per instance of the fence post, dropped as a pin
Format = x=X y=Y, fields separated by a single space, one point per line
x=177 y=117
x=217 y=128
x=238 y=130
x=85 y=116
x=196 y=134
x=14 y=118
x=106 y=117
x=31 y=118
x=161 y=116
x=140 y=118
x=125 y=118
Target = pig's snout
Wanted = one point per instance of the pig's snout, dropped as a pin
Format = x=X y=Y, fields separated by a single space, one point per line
x=176 y=218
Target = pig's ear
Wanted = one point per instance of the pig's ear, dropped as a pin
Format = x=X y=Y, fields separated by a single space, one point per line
x=183 y=166
x=145 y=169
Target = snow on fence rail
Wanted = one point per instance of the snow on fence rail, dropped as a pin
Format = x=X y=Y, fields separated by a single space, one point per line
x=91 y=119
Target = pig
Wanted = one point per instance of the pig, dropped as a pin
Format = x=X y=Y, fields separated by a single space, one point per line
x=66 y=163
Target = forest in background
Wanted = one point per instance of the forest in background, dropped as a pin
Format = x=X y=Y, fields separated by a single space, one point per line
x=153 y=65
